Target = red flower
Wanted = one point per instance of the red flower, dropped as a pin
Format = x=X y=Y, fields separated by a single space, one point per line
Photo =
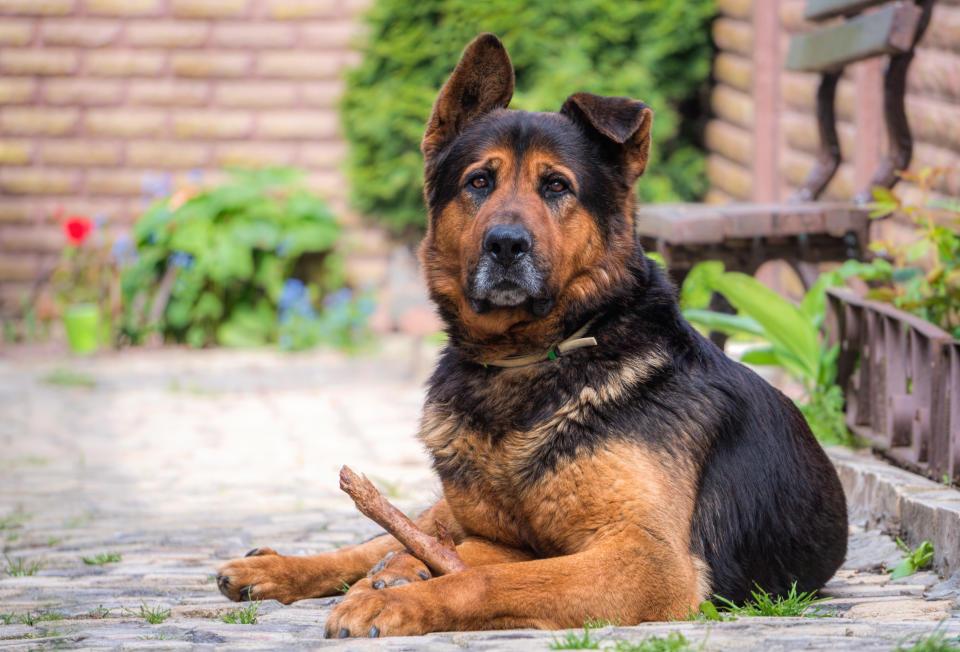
x=77 y=228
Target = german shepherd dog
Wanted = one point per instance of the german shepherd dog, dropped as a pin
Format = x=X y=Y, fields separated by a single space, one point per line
x=599 y=458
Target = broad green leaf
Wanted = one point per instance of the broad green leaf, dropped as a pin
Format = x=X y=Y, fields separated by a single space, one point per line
x=697 y=287
x=782 y=322
x=724 y=323
x=763 y=357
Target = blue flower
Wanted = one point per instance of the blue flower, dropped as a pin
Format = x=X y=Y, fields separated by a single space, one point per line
x=295 y=300
x=180 y=259
x=284 y=247
x=123 y=251
x=157 y=186
x=339 y=298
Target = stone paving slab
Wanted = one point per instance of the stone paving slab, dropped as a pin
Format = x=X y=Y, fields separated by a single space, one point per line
x=178 y=460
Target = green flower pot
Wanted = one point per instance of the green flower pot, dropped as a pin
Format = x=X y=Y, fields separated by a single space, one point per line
x=82 y=322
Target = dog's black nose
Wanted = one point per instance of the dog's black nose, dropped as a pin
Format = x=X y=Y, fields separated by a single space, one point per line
x=507 y=242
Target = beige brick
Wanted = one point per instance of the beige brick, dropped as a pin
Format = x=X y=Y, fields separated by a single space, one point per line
x=735 y=35
x=43 y=238
x=38 y=7
x=15 y=90
x=125 y=122
x=331 y=33
x=212 y=124
x=83 y=91
x=254 y=35
x=294 y=9
x=123 y=7
x=37 y=181
x=297 y=124
x=19 y=267
x=167 y=155
x=35 y=121
x=80 y=153
x=18 y=209
x=86 y=33
x=299 y=64
x=209 y=8
x=253 y=154
x=323 y=155
x=15 y=32
x=322 y=93
x=211 y=64
x=255 y=93
x=115 y=182
x=326 y=183
x=125 y=63
x=168 y=92
x=167 y=33
x=47 y=61
x=14 y=152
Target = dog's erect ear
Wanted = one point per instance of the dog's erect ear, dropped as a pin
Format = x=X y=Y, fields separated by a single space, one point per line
x=622 y=122
x=481 y=82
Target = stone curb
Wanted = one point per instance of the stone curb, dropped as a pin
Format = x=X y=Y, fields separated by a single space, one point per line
x=901 y=503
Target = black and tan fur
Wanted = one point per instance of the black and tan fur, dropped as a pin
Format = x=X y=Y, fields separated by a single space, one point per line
x=627 y=481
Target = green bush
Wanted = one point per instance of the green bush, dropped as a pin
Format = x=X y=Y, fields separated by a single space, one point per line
x=658 y=51
x=214 y=268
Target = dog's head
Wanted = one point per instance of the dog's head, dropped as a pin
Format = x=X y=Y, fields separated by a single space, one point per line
x=531 y=214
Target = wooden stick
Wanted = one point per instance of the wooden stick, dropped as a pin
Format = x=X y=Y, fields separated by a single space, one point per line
x=439 y=554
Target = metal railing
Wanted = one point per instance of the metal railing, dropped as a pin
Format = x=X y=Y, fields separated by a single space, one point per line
x=901 y=380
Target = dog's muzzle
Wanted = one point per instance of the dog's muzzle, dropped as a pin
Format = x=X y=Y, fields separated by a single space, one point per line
x=507 y=274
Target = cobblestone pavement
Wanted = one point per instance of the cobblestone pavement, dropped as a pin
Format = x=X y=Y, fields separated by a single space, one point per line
x=177 y=460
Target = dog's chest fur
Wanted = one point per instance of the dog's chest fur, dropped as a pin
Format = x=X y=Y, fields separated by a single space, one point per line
x=543 y=486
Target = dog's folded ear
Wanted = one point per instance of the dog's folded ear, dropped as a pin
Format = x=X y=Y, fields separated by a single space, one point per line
x=620 y=123
x=481 y=82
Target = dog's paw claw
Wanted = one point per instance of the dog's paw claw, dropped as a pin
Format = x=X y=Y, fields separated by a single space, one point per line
x=374 y=632
x=396 y=570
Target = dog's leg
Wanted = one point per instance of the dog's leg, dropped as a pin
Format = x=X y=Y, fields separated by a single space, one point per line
x=264 y=574
x=628 y=578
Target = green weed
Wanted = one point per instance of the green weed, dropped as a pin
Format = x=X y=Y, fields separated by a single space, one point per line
x=14 y=520
x=68 y=378
x=20 y=568
x=153 y=615
x=53 y=542
x=913 y=560
x=99 y=612
x=573 y=641
x=935 y=641
x=8 y=619
x=600 y=623
x=243 y=615
x=344 y=587
x=673 y=642
x=764 y=604
x=31 y=619
x=102 y=558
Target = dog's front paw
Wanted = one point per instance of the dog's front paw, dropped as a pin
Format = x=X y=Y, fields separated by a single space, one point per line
x=398 y=568
x=259 y=575
x=396 y=611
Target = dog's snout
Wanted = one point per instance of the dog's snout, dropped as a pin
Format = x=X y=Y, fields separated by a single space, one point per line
x=507 y=243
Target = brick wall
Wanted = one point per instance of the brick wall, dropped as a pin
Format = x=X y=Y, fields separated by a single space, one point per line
x=96 y=95
x=764 y=137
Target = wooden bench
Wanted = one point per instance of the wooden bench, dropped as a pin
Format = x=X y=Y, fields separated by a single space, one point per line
x=803 y=231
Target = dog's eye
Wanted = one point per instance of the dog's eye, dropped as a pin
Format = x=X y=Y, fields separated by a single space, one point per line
x=557 y=185
x=480 y=181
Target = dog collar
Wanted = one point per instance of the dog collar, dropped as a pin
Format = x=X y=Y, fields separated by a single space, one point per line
x=575 y=341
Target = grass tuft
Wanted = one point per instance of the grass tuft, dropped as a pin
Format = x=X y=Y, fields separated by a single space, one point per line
x=573 y=641
x=764 y=604
x=67 y=378
x=102 y=558
x=243 y=615
x=99 y=612
x=600 y=623
x=344 y=587
x=673 y=642
x=31 y=619
x=935 y=641
x=153 y=615
x=20 y=568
